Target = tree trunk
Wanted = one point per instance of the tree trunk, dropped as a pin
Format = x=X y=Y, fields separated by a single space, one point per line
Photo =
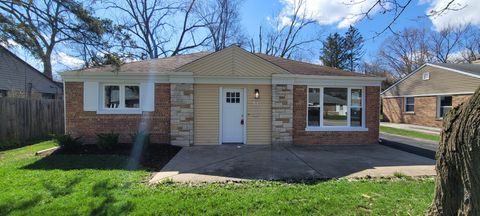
x=457 y=190
x=47 y=67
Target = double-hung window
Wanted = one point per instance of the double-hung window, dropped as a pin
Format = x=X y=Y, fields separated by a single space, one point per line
x=409 y=104
x=335 y=108
x=444 y=105
x=121 y=96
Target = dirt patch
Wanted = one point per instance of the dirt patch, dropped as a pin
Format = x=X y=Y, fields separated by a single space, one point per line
x=153 y=157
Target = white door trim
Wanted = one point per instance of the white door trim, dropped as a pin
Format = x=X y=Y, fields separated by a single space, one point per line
x=220 y=113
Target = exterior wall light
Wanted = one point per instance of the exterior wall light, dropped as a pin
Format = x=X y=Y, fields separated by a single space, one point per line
x=257 y=94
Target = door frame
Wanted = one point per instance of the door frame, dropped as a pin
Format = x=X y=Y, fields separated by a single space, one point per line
x=220 y=113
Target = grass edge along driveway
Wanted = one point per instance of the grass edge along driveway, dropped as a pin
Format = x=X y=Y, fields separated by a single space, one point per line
x=409 y=133
x=99 y=185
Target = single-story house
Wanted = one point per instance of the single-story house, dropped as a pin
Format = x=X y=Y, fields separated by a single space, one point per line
x=229 y=96
x=19 y=79
x=424 y=96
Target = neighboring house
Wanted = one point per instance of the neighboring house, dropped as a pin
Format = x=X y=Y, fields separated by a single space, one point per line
x=230 y=96
x=424 y=96
x=19 y=79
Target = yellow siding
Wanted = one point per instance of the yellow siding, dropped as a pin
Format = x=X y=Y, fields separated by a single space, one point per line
x=259 y=112
x=441 y=81
x=207 y=114
x=232 y=61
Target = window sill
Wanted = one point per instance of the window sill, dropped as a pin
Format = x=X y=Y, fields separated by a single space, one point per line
x=409 y=113
x=120 y=111
x=359 y=129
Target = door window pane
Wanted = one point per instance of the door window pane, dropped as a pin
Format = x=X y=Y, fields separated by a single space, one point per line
x=132 y=96
x=335 y=106
x=112 y=96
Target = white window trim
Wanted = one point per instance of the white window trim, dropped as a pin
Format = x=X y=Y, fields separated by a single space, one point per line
x=349 y=101
x=439 y=105
x=405 y=105
x=122 y=109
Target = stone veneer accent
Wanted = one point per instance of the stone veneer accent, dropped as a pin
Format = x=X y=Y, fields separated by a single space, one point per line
x=282 y=114
x=181 y=123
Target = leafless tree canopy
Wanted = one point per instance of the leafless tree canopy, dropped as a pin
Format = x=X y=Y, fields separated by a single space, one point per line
x=171 y=27
x=222 y=19
x=285 y=39
x=405 y=51
x=395 y=8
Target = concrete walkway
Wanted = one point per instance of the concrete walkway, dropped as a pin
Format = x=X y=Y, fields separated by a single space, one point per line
x=249 y=162
x=423 y=129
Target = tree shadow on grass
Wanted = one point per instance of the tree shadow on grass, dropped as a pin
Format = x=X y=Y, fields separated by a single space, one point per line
x=22 y=205
x=62 y=189
x=78 y=162
x=109 y=204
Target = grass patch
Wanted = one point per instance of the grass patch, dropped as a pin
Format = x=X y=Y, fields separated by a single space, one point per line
x=100 y=184
x=408 y=133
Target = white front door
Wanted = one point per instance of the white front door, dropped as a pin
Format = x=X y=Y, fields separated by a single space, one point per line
x=232 y=116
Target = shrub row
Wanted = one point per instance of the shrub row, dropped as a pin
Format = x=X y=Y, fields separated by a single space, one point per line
x=105 y=141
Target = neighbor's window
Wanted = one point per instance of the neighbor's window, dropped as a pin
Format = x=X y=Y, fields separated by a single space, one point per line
x=335 y=106
x=3 y=93
x=121 y=96
x=339 y=107
x=426 y=76
x=409 y=104
x=48 y=96
x=132 y=96
x=444 y=105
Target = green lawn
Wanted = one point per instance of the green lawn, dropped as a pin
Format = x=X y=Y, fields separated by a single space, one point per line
x=93 y=185
x=408 y=133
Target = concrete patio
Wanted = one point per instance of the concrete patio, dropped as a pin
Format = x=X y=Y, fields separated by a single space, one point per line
x=249 y=162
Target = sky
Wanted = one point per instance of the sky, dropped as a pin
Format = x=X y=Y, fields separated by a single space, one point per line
x=331 y=16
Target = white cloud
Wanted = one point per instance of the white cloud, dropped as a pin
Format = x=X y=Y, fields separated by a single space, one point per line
x=67 y=60
x=331 y=12
x=468 y=13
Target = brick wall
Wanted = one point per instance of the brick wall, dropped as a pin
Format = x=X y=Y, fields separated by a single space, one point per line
x=425 y=110
x=302 y=137
x=87 y=124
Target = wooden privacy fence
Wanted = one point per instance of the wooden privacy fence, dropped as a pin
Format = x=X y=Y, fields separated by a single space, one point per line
x=23 y=120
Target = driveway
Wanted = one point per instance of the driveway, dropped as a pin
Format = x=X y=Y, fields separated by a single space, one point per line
x=249 y=162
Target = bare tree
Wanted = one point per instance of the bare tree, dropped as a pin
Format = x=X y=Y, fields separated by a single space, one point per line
x=40 y=25
x=404 y=52
x=191 y=24
x=147 y=21
x=222 y=20
x=286 y=38
x=395 y=8
x=471 y=43
x=445 y=42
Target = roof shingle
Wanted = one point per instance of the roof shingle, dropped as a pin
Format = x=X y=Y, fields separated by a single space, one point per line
x=303 y=68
